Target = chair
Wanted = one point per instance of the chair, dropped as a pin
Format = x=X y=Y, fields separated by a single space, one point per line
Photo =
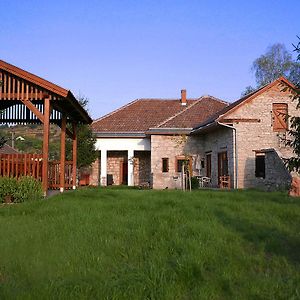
x=225 y=182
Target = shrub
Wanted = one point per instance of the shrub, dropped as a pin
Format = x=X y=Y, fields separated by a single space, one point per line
x=28 y=189
x=8 y=186
x=24 y=189
x=194 y=183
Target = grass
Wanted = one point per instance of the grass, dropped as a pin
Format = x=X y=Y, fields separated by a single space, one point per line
x=134 y=244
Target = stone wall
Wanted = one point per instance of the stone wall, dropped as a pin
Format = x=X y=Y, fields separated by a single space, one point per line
x=95 y=172
x=220 y=140
x=165 y=146
x=142 y=167
x=260 y=135
x=114 y=160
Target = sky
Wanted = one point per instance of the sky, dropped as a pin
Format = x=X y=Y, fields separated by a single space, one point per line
x=113 y=52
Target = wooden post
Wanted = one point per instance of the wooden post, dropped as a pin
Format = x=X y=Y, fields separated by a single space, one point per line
x=63 y=152
x=74 y=169
x=46 y=144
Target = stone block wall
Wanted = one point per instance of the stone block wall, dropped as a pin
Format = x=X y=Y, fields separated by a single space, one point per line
x=220 y=140
x=142 y=167
x=166 y=146
x=95 y=172
x=260 y=135
x=114 y=160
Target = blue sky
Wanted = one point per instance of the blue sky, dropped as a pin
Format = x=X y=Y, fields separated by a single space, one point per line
x=116 y=51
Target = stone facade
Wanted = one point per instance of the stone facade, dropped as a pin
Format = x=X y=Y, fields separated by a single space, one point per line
x=114 y=161
x=171 y=147
x=214 y=143
x=142 y=168
x=260 y=135
x=95 y=172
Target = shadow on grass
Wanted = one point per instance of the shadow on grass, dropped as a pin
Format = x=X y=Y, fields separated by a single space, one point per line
x=274 y=241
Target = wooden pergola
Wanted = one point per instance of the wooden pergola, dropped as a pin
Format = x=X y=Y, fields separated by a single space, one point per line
x=28 y=99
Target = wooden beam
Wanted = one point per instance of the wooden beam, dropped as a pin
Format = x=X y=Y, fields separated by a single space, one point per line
x=240 y=120
x=46 y=145
x=63 y=152
x=68 y=131
x=33 y=109
x=74 y=152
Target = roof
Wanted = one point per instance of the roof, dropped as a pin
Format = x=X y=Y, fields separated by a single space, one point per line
x=196 y=113
x=143 y=114
x=66 y=98
x=6 y=149
x=233 y=106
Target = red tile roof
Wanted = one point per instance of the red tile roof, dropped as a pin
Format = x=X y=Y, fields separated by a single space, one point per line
x=6 y=149
x=198 y=112
x=142 y=114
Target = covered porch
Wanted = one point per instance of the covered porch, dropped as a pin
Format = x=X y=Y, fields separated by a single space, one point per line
x=28 y=99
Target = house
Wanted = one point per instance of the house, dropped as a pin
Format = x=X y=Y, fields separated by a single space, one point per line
x=133 y=140
x=6 y=149
x=148 y=140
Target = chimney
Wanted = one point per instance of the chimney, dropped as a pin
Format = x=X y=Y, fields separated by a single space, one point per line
x=183 y=97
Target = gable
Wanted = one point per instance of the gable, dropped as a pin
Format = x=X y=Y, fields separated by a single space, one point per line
x=261 y=104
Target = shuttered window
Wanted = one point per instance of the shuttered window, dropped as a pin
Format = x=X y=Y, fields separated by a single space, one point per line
x=280 y=113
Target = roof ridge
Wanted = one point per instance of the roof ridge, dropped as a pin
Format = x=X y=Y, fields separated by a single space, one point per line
x=28 y=76
x=216 y=99
x=116 y=110
x=179 y=113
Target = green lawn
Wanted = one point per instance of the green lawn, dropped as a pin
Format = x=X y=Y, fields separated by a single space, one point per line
x=135 y=244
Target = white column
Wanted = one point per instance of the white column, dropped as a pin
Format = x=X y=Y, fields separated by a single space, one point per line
x=130 y=167
x=103 y=172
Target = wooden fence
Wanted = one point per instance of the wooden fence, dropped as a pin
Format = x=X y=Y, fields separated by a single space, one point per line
x=16 y=165
x=54 y=174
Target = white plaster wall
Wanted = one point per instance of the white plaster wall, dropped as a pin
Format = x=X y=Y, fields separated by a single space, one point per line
x=123 y=144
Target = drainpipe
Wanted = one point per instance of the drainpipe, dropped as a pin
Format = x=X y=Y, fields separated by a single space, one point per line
x=235 y=154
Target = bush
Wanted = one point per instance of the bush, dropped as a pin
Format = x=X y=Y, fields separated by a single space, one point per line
x=24 y=189
x=8 y=186
x=194 y=183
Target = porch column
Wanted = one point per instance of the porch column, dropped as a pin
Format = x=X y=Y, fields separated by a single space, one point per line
x=46 y=145
x=103 y=172
x=130 y=167
x=62 y=152
x=74 y=155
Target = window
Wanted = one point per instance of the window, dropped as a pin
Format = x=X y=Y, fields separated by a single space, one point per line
x=279 y=116
x=260 y=165
x=180 y=161
x=165 y=165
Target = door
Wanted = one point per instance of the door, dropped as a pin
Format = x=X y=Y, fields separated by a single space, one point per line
x=124 y=172
x=208 y=165
x=222 y=164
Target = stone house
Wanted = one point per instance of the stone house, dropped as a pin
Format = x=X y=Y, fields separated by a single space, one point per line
x=148 y=140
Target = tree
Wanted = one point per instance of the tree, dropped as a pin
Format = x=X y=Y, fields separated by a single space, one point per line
x=293 y=163
x=276 y=62
x=86 y=153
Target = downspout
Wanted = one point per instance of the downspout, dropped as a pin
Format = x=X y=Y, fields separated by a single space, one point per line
x=235 y=154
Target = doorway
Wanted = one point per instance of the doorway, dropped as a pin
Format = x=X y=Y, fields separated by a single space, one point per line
x=222 y=164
